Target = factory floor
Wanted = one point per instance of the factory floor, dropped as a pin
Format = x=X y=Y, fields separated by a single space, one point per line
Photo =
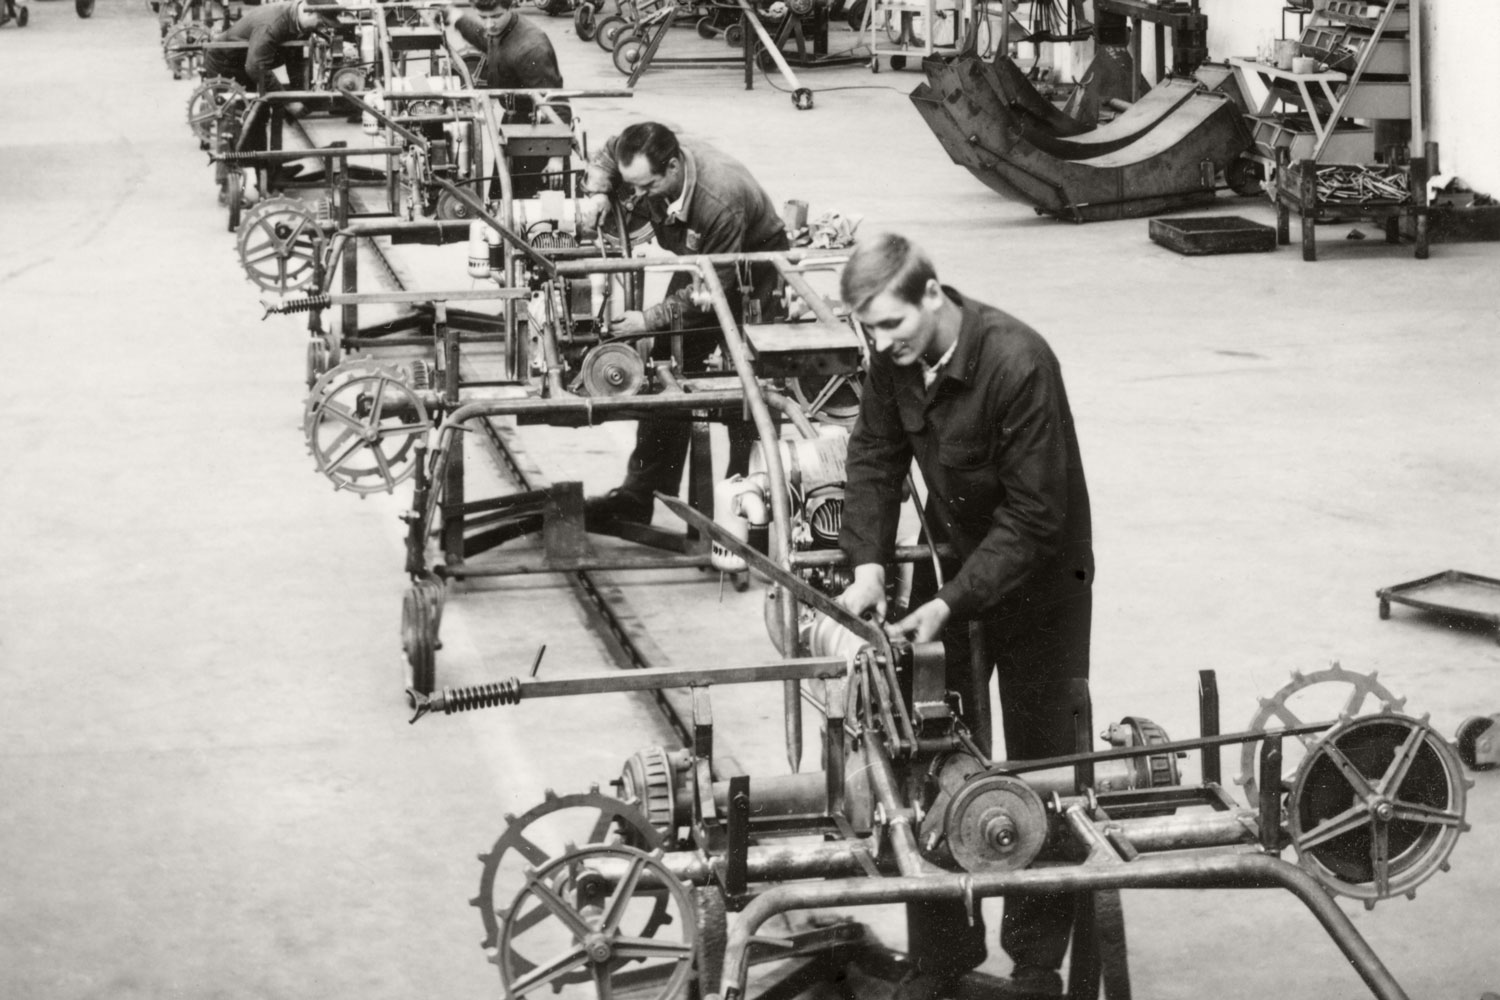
x=208 y=786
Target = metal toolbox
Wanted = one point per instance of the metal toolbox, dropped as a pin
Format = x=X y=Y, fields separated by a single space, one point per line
x=1350 y=143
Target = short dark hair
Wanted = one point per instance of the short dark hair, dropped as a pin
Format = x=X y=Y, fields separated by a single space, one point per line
x=653 y=140
x=885 y=261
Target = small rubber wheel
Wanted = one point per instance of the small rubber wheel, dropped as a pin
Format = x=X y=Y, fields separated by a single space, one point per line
x=1467 y=737
x=23 y=16
x=874 y=64
x=628 y=54
x=1243 y=177
x=85 y=8
x=802 y=99
x=898 y=62
x=317 y=361
x=734 y=36
x=607 y=30
x=706 y=28
x=234 y=197
x=584 y=24
x=417 y=642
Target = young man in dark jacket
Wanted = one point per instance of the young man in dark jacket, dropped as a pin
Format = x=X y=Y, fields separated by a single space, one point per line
x=517 y=55
x=976 y=397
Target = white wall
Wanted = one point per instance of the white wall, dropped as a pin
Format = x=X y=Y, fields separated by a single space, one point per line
x=1460 y=55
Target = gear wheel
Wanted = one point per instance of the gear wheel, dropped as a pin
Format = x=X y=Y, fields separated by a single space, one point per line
x=545 y=833
x=1377 y=806
x=211 y=101
x=360 y=410
x=280 y=244
x=593 y=895
x=1362 y=688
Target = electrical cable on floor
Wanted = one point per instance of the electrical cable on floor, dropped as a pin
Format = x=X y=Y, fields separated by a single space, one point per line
x=825 y=90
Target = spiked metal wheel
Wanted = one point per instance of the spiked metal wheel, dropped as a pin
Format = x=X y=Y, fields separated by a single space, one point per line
x=280 y=243
x=544 y=833
x=362 y=423
x=181 y=48
x=1320 y=697
x=209 y=102
x=1377 y=806
x=592 y=896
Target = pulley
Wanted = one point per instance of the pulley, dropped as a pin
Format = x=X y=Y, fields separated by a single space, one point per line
x=351 y=79
x=995 y=823
x=453 y=209
x=1376 y=806
x=280 y=243
x=612 y=369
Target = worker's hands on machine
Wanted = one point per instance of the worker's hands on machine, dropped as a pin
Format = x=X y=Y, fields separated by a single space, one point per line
x=866 y=595
x=591 y=210
x=557 y=176
x=925 y=624
x=629 y=323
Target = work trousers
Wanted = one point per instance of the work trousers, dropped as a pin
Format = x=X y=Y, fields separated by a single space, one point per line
x=661 y=444
x=1036 y=655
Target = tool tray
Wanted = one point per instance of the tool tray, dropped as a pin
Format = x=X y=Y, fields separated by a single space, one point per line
x=1451 y=592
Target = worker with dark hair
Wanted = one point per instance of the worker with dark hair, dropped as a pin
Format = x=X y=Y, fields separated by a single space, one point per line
x=265 y=30
x=700 y=201
x=516 y=55
x=976 y=397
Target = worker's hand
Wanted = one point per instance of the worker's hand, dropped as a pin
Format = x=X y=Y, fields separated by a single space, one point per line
x=591 y=210
x=631 y=322
x=867 y=592
x=924 y=624
x=556 y=178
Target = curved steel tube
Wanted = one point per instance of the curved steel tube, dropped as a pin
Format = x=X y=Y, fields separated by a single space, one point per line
x=1240 y=871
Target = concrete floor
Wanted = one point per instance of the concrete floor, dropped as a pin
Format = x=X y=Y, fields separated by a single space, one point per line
x=209 y=786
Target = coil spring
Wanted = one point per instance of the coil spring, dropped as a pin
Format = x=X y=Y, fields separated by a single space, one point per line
x=307 y=304
x=467 y=699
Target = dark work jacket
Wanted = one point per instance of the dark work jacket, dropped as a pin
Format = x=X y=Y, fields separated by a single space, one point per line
x=519 y=57
x=995 y=443
x=265 y=29
x=725 y=210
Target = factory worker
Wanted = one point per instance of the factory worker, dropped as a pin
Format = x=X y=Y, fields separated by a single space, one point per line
x=516 y=55
x=976 y=398
x=265 y=29
x=700 y=200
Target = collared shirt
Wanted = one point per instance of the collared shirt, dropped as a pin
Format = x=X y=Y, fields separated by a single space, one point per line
x=931 y=372
x=993 y=437
x=723 y=210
